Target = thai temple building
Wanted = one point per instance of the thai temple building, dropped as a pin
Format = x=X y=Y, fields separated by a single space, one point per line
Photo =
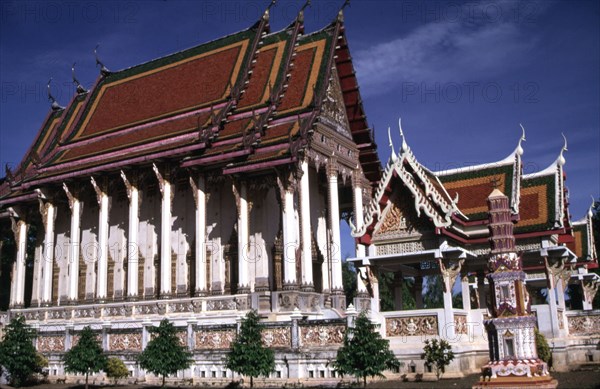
x=212 y=181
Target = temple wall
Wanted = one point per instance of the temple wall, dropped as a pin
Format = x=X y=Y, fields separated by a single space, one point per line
x=89 y=246
x=221 y=217
x=117 y=246
x=318 y=220
x=148 y=238
x=182 y=236
x=61 y=254
x=265 y=222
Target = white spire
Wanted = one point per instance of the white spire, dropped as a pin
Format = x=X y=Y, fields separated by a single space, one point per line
x=561 y=159
x=519 y=150
x=394 y=157
x=404 y=145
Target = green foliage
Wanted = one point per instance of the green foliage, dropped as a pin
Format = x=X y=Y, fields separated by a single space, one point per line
x=386 y=292
x=542 y=347
x=115 y=369
x=434 y=295
x=164 y=355
x=437 y=353
x=349 y=281
x=86 y=356
x=247 y=355
x=17 y=353
x=364 y=353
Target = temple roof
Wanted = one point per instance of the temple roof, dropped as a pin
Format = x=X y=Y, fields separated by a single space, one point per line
x=244 y=102
x=455 y=201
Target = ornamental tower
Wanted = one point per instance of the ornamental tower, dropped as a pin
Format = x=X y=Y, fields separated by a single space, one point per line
x=511 y=336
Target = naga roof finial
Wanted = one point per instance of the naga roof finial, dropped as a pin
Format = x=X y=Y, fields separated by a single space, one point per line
x=561 y=158
x=80 y=89
x=522 y=139
x=393 y=156
x=267 y=11
x=55 y=106
x=404 y=144
x=590 y=212
x=300 y=17
x=340 y=16
x=103 y=69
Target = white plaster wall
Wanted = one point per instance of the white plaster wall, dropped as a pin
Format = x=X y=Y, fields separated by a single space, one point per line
x=89 y=245
x=148 y=235
x=265 y=220
x=221 y=215
x=318 y=217
x=61 y=253
x=117 y=243
x=182 y=232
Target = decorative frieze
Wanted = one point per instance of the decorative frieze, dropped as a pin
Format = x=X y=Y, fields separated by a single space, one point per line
x=584 y=325
x=51 y=344
x=125 y=341
x=214 y=339
x=276 y=337
x=411 y=325
x=325 y=335
x=460 y=323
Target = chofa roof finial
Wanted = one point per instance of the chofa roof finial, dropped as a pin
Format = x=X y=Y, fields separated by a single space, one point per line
x=394 y=156
x=79 y=88
x=404 y=144
x=55 y=106
x=340 y=16
x=590 y=209
x=522 y=139
x=103 y=69
x=561 y=157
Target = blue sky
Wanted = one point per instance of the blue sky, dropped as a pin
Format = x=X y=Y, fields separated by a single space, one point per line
x=462 y=75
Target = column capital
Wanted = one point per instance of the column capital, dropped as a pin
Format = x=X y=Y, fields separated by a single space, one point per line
x=72 y=195
x=332 y=167
x=449 y=271
x=130 y=182
x=100 y=189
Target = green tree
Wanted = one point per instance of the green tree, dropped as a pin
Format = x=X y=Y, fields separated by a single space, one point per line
x=349 y=281
x=165 y=355
x=433 y=297
x=17 y=353
x=247 y=355
x=116 y=369
x=543 y=349
x=364 y=353
x=437 y=353
x=86 y=356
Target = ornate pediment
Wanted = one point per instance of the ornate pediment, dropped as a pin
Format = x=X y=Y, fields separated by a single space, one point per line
x=399 y=218
x=333 y=110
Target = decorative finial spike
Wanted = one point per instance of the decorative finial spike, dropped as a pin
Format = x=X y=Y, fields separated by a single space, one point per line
x=590 y=210
x=54 y=104
x=103 y=69
x=456 y=197
x=522 y=139
x=561 y=158
x=340 y=16
x=404 y=144
x=80 y=89
x=394 y=157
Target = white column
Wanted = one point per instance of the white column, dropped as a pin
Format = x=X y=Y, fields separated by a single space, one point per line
x=466 y=293
x=133 y=249
x=335 y=254
x=560 y=292
x=290 y=240
x=449 y=330
x=102 y=198
x=48 y=256
x=199 y=189
x=165 y=241
x=74 y=244
x=18 y=279
x=361 y=288
x=307 y=282
x=243 y=228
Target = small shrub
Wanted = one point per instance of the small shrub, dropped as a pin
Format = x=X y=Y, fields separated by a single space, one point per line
x=437 y=353
x=116 y=369
x=543 y=349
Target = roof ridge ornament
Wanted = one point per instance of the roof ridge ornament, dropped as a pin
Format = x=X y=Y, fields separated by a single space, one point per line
x=404 y=144
x=561 y=158
x=80 y=89
x=300 y=17
x=590 y=213
x=340 y=15
x=522 y=139
x=55 y=106
x=393 y=156
x=103 y=69
x=266 y=14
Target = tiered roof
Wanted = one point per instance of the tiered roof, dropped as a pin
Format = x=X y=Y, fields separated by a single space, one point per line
x=243 y=103
x=455 y=201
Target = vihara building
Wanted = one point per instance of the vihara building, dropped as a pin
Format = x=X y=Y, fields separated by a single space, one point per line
x=212 y=181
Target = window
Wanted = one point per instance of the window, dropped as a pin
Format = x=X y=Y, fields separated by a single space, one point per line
x=214 y=374
x=203 y=374
x=322 y=373
x=509 y=347
x=333 y=374
x=224 y=375
x=311 y=374
x=278 y=373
